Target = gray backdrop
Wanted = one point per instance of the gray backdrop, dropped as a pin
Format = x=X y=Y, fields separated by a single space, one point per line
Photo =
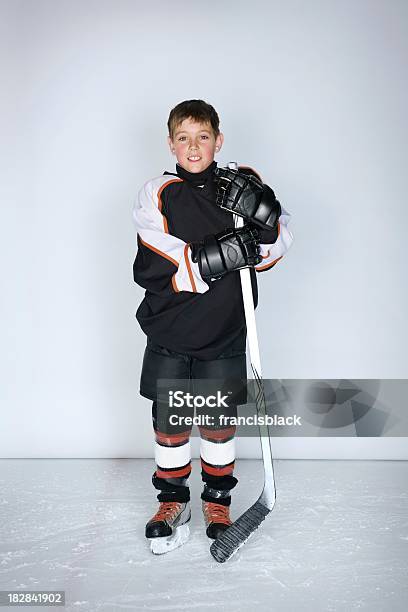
x=311 y=94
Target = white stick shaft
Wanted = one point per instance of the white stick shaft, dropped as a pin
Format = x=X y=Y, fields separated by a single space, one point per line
x=252 y=335
x=269 y=492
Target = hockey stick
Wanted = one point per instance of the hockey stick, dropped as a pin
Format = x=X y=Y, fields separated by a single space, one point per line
x=238 y=533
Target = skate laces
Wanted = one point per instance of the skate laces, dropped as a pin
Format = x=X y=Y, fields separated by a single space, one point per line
x=167 y=510
x=216 y=513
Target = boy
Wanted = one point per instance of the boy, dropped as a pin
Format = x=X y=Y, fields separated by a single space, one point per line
x=188 y=258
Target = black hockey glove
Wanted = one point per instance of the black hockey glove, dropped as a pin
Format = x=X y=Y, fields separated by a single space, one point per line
x=246 y=196
x=232 y=249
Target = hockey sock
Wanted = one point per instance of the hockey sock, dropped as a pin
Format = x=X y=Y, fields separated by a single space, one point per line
x=217 y=451
x=173 y=459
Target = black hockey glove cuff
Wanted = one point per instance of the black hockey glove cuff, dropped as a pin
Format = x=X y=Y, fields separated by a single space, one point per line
x=246 y=196
x=233 y=249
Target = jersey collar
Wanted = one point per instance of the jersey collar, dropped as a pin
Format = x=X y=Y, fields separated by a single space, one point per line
x=196 y=178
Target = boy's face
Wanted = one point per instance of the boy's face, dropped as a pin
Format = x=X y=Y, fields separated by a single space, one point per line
x=194 y=145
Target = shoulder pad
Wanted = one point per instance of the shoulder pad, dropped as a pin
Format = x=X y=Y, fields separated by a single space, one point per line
x=248 y=170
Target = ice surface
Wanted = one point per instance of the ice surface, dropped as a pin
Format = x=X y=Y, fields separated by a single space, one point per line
x=336 y=540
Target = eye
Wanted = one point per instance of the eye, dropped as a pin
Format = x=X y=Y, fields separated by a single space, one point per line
x=204 y=136
x=181 y=137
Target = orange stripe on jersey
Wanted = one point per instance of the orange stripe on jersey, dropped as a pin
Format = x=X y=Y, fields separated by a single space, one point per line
x=269 y=265
x=152 y=248
x=190 y=273
x=173 y=282
x=217 y=471
x=173 y=473
x=160 y=202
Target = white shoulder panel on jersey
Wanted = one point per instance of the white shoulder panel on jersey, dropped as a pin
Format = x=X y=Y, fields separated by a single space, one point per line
x=271 y=253
x=151 y=226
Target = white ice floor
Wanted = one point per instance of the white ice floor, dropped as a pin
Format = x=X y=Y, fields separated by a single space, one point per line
x=336 y=541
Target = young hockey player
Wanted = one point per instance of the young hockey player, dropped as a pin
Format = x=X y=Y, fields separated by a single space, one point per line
x=188 y=258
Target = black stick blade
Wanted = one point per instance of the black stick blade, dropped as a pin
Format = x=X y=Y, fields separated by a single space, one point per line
x=237 y=534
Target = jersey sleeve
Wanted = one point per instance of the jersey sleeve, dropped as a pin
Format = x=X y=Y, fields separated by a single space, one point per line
x=163 y=263
x=271 y=253
x=274 y=244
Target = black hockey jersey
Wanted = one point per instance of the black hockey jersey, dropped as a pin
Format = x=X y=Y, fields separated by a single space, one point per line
x=181 y=311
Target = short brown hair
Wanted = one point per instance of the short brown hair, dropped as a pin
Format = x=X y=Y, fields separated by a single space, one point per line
x=198 y=111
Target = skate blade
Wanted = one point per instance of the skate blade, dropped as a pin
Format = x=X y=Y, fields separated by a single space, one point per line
x=160 y=546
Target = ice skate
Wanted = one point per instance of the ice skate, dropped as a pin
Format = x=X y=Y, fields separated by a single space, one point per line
x=216 y=518
x=168 y=528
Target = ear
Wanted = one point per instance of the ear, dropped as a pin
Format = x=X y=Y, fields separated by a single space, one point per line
x=171 y=146
x=219 y=141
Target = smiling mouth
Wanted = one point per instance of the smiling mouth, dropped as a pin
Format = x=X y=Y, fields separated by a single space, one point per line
x=194 y=158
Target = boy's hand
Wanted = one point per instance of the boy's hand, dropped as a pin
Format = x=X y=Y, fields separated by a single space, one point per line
x=232 y=249
x=245 y=195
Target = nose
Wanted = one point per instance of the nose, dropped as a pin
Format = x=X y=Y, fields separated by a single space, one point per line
x=193 y=144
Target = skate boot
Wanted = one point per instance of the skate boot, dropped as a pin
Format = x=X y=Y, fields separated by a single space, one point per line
x=216 y=518
x=168 y=528
x=216 y=500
